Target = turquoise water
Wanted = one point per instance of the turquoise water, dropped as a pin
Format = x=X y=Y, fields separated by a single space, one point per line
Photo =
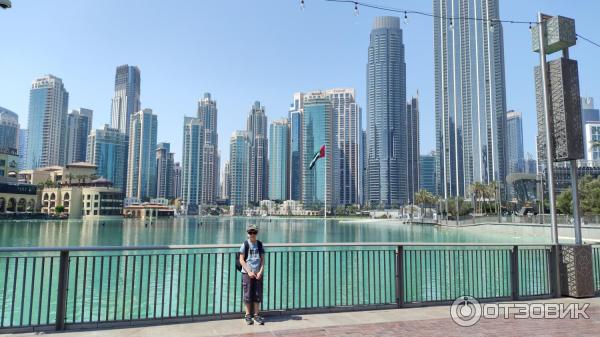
x=130 y=285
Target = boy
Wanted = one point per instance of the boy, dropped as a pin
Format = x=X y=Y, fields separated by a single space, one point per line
x=252 y=259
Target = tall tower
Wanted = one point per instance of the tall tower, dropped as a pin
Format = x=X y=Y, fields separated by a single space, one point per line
x=514 y=146
x=279 y=143
x=207 y=113
x=470 y=94
x=127 y=97
x=141 y=169
x=191 y=164
x=413 y=147
x=347 y=115
x=164 y=171
x=239 y=167
x=386 y=115
x=9 y=129
x=48 y=102
x=107 y=149
x=295 y=168
x=79 y=126
x=259 y=175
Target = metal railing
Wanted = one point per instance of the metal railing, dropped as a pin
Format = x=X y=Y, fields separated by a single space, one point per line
x=77 y=287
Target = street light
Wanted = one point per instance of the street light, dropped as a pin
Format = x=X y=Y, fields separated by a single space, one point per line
x=5 y=4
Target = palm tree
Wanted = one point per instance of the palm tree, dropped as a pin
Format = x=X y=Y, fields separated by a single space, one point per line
x=70 y=176
x=491 y=190
x=421 y=197
x=478 y=189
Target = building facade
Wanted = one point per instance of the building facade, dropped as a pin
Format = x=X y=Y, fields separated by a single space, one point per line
x=9 y=129
x=279 y=151
x=226 y=182
x=48 y=102
x=259 y=150
x=107 y=149
x=319 y=185
x=240 y=147
x=295 y=170
x=79 y=126
x=165 y=160
x=470 y=94
x=592 y=141
x=191 y=164
x=515 y=153
x=141 y=169
x=22 y=149
x=9 y=163
x=589 y=114
x=207 y=113
x=126 y=101
x=413 y=151
x=177 y=180
x=386 y=115
x=427 y=172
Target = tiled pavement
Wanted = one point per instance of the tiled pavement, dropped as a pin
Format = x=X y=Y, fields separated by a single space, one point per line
x=428 y=321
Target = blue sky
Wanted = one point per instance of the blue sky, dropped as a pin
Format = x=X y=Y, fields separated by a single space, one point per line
x=242 y=51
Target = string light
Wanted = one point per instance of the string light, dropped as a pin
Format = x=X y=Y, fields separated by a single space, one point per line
x=530 y=26
x=302 y=4
x=405 y=18
x=356 y=8
x=451 y=23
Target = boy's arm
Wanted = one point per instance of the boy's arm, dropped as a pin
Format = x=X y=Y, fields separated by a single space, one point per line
x=262 y=264
x=244 y=265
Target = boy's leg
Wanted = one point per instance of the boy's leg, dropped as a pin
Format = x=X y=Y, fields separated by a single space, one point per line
x=247 y=294
x=258 y=294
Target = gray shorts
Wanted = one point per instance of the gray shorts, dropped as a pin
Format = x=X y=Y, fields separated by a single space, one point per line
x=252 y=289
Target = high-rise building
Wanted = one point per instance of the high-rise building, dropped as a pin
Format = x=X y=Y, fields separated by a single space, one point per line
x=365 y=169
x=295 y=168
x=191 y=164
x=589 y=115
x=79 y=126
x=279 y=144
x=258 y=183
x=207 y=113
x=9 y=129
x=413 y=151
x=515 y=154
x=347 y=115
x=239 y=167
x=127 y=97
x=141 y=169
x=165 y=160
x=319 y=128
x=530 y=164
x=226 y=182
x=592 y=141
x=176 y=180
x=22 y=149
x=470 y=94
x=107 y=149
x=386 y=115
x=48 y=102
x=427 y=173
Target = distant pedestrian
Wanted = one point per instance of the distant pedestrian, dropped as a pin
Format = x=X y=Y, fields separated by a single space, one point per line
x=251 y=263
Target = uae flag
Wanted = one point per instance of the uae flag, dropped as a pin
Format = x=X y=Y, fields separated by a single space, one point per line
x=319 y=154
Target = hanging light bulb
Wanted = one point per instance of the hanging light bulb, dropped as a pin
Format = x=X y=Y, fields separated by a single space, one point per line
x=492 y=25
x=302 y=4
x=356 y=8
x=530 y=26
x=405 y=18
x=451 y=23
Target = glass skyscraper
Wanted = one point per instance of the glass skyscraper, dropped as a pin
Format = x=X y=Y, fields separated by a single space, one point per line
x=207 y=113
x=279 y=143
x=259 y=147
x=514 y=145
x=107 y=149
x=48 y=102
x=165 y=159
x=427 y=174
x=79 y=126
x=413 y=147
x=470 y=98
x=239 y=168
x=9 y=129
x=141 y=169
x=23 y=134
x=318 y=129
x=295 y=117
x=386 y=115
x=191 y=164
x=127 y=97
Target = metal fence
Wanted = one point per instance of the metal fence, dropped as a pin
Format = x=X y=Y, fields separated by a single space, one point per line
x=63 y=288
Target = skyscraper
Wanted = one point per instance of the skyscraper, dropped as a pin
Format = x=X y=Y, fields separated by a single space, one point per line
x=127 y=97
x=470 y=94
x=48 y=102
x=191 y=164
x=279 y=143
x=79 y=126
x=258 y=183
x=107 y=149
x=207 y=113
x=591 y=116
x=23 y=133
x=226 y=182
x=295 y=170
x=427 y=173
x=347 y=115
x=239 y=167
x=318 y=129
x=176 y=180
x=9 y=129
x=386 y=114
x=413 y=147
x=141 y=169
x=165 y=160
x=514 y=142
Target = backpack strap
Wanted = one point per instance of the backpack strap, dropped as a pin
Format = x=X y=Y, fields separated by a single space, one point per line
x=260 y=247
x=246 y=249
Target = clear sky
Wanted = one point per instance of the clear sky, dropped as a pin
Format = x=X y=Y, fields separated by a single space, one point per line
x=242 y=51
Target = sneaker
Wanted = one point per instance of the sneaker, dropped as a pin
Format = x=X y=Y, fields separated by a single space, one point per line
x=248 y=319
x=259 y=319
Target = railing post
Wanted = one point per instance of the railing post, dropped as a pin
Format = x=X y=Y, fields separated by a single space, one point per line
x=61 y=300
x=555 y=271
x=400 y=276
x=514 y=272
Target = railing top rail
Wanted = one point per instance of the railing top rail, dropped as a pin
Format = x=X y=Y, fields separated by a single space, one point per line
x=268 y=245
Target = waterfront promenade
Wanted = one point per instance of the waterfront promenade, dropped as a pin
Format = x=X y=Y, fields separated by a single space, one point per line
x=427 y=321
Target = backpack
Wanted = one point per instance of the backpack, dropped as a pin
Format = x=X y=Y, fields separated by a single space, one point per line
x=238 y=265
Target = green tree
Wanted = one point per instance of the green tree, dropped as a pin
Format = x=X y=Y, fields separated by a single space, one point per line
x=59 y=209
x=564 y=202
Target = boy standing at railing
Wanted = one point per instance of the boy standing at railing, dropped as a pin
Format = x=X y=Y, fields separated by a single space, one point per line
x=252 y=261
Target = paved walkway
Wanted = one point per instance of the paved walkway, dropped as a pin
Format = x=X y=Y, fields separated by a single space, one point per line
x=429 y=321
